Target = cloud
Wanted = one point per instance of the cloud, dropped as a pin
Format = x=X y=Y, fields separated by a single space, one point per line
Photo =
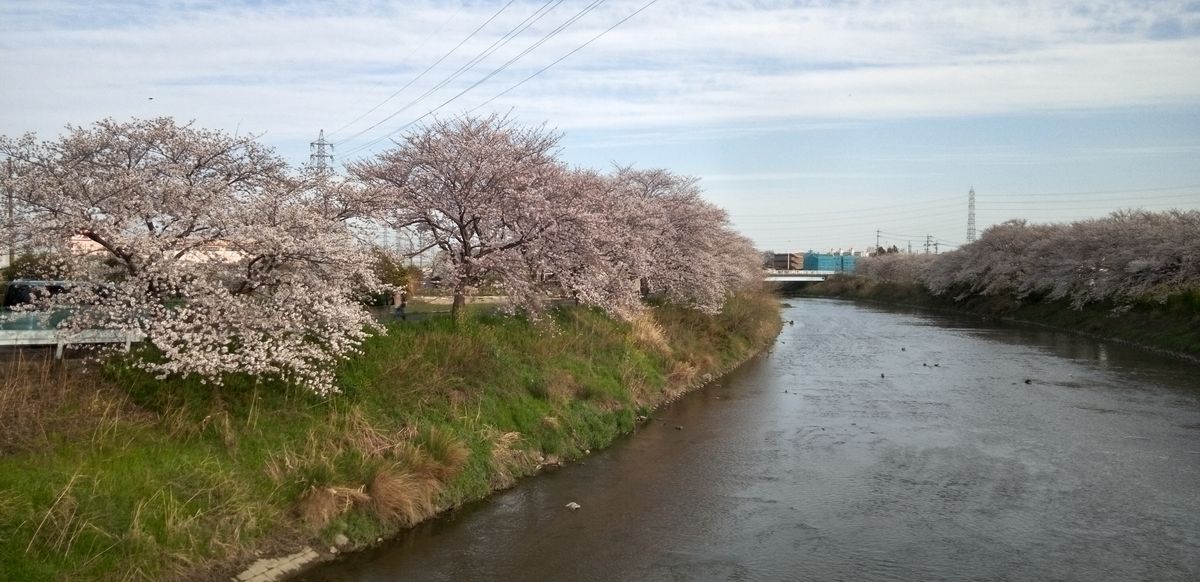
x=289 y=69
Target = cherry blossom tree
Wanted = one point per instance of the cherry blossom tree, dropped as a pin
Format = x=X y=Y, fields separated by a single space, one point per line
x=686 y=248
x=590 y=255
x=606 y=237
x=201 y=242
x=1128 y=256
x=895 y=267
x=482 y=190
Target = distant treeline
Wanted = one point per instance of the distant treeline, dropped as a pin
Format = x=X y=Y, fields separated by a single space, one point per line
x=1129 y=256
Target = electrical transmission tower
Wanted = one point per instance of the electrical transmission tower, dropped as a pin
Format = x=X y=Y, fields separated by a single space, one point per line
x=971 y=216
x=321 y=156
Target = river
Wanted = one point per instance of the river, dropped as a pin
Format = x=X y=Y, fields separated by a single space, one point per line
x=870 y=443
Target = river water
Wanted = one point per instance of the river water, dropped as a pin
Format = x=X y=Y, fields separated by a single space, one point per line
x=870 y=443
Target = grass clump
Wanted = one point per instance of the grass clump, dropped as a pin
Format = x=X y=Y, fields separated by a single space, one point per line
x=112 y=475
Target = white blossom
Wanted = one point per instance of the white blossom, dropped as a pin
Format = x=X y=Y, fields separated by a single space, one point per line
x=199 y=241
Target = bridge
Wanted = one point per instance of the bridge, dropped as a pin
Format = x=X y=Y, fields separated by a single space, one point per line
x=795 y=275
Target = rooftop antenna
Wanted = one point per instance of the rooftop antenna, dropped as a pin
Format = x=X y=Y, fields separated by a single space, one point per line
x=971 y=215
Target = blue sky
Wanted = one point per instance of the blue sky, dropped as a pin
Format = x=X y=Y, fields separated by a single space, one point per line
x=814 y=123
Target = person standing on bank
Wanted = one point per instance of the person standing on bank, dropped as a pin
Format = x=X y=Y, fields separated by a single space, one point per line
x=400 y=307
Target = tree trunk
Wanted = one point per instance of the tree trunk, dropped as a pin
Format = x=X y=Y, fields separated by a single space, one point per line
x=460 y=289
x=456 y=308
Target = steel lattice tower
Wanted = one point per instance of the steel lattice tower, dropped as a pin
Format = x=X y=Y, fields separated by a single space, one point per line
x=321 y=156
x=971 y=216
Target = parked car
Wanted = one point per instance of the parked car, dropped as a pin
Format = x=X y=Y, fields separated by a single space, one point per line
x=26 y=292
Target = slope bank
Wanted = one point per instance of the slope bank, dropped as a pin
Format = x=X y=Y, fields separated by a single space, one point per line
x=118 y=476
x=1172 y=325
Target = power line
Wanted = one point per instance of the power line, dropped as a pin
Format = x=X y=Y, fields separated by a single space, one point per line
x=952 y=217
x=427 y=69
x=990 y=209
x=863 y=211
x=1121 y=200
x=989 y=202
x=552 y=33
x=560 y=59
x=512 y=33
x=1088 y=193
x=857 y=217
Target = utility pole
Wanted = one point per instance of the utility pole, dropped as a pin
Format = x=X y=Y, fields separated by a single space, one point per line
x=877 y=238
x=935 y=247
x=8 y=195
x=928 y=243
x=971 y=216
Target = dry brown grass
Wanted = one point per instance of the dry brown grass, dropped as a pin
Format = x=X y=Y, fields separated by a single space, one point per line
x=41 y=397
x=681 y=375
x=416 y=459
x=640 y=387
x=647 y=334
x=405 y=471
x=399 y=497
x=450 y=453
x=560 y=385
x=361 y=433
x=319 y=506
x=509 y=460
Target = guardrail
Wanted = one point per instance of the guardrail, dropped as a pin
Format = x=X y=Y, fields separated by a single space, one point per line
x=60 y=339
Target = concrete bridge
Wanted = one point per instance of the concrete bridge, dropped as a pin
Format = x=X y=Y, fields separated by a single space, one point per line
x=795 y=275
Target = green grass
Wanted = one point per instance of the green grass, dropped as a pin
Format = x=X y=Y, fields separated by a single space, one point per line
x=118 y=476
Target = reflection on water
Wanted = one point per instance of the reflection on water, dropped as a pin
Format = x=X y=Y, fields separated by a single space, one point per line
x=870 y=444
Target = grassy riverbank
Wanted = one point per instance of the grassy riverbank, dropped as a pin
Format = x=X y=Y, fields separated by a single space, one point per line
x=117 y=476
x=1172 y=325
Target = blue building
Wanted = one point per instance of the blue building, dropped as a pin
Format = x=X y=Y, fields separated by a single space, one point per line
x=837 y=263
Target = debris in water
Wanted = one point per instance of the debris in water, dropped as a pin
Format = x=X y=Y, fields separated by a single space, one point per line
x=1028 y=381
x=881 y=374
x=678 y=428
x=573 y=506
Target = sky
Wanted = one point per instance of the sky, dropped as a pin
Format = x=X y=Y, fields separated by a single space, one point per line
x=824 y=125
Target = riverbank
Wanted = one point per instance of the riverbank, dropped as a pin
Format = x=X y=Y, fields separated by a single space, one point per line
x=809 y=464
x=118 y=476
x=1171 y=326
